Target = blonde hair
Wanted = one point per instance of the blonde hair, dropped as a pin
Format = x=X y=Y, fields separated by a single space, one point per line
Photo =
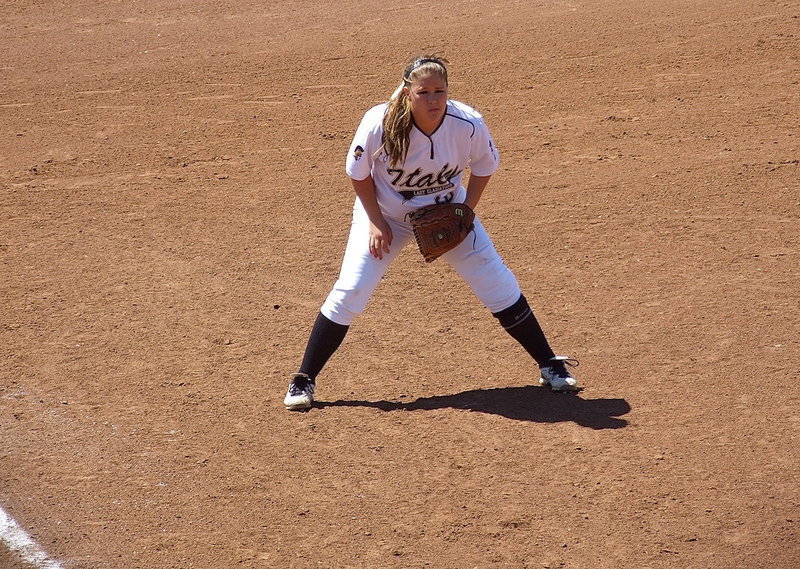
x=397 y=120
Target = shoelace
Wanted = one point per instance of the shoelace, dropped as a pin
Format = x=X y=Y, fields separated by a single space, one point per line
x=301 y=385
x=560 y=366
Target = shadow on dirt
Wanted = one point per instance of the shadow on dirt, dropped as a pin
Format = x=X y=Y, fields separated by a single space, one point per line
x=519 y=403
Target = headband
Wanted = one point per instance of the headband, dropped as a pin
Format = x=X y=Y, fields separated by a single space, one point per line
x=419 y=63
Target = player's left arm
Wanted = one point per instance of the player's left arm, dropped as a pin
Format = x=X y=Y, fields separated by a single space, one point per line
x=484 y=160
x=475 y=188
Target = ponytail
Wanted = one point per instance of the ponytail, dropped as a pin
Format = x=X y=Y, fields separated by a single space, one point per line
x=396 y=126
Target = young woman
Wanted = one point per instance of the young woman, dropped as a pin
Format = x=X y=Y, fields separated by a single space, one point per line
x=406 y=154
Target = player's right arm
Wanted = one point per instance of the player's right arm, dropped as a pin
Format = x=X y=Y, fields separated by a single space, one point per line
x=380 y=233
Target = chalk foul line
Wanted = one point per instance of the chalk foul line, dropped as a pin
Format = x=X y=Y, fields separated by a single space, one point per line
x=21 y=544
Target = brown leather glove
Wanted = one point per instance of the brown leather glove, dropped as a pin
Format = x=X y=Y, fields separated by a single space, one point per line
x=440 y=227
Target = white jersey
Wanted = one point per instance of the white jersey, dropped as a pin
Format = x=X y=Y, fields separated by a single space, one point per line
x=434 y=166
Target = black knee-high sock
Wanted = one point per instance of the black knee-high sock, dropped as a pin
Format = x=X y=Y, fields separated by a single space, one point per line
x=326 y=337
x=519 y=321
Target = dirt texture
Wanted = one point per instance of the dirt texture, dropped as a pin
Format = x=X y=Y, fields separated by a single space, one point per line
x=173 y=213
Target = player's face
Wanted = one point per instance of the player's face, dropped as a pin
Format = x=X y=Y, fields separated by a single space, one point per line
x=428 y=97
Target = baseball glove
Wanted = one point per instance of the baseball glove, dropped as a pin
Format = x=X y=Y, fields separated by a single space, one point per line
x=440 y=227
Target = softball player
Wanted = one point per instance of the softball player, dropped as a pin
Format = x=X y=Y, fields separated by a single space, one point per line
x=409 y=153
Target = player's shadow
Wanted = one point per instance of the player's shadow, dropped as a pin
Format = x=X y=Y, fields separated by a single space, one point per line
x=528 y=403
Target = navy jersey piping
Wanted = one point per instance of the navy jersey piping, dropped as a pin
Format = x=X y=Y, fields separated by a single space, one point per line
x=462 y=119
x=430 y=136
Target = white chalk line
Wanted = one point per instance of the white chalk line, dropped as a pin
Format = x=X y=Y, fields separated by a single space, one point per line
x=20 y=543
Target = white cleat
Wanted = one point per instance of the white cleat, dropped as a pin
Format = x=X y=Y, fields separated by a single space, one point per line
x=555 y=374
x=301 y=393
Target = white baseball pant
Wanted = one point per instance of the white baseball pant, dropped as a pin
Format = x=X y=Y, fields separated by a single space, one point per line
x=475 y=259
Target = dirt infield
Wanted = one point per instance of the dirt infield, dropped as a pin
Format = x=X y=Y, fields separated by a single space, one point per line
x=173 y=212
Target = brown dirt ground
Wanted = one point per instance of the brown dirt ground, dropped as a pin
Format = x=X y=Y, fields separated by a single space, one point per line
x=174 y=209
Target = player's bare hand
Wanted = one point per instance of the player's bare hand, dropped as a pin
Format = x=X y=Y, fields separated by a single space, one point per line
x=380 y=237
